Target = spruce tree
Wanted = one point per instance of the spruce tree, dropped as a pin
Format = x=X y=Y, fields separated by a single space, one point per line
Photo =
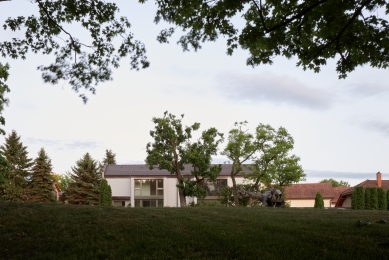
x=382 y=203
x=319 y=202
x=86 y=185
x=41 y=179
x=110 y=157
x=358 y=198
x=17 y=156
x=105 y=193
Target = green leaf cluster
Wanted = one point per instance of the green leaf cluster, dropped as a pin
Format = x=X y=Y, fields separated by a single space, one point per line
x=3 y=89
x=336 y=183
x=374 y=198
x=368 y=204
x=319 y=202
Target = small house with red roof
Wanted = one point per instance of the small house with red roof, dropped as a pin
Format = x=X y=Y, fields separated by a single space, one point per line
x=344 y=200
x=303 y=194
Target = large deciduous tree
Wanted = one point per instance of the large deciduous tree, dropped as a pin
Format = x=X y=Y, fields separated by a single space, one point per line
x=17 y=156
x=353 y=32
x=41 y=184
x=266 y=154
x=82 y=63
x=173 y=148
x=240 y=148
x=85 y=187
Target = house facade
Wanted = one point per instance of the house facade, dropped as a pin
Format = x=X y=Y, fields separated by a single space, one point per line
x=344 y=200
x=303 y=195
x=138 y=186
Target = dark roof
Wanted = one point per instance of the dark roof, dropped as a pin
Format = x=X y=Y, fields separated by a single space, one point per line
x=309 y=190
x=144 y=170
x=368 y=184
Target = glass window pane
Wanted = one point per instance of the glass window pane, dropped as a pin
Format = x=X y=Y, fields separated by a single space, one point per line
x=160 y=203
x=153 y=187
x=153 y=203
x=137 y=192
x=145 y=187
x=160 y=192
x=137 y=203
x=145 y=203
x=160 y=183
x=137 y=184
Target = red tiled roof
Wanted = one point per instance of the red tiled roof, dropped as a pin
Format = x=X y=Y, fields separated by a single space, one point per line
x=366 y=184
x=309 y=190
x=144 y=170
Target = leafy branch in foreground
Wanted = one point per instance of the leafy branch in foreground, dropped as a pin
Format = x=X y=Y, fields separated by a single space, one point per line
x=353 y=32
x=82 y=65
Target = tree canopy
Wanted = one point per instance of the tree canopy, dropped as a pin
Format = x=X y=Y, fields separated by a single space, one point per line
x=3 y=89
x=336 y=183
x=353 y=32
x=83 y=63
x=173 y=147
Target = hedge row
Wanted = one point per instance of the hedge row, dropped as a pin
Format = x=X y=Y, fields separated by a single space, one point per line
x=370 y=198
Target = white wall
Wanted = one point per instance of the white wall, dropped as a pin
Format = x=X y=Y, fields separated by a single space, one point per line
x=308 y=203
x=120 y=186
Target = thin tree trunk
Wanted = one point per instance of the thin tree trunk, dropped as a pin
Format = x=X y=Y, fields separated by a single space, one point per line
x=234 y=189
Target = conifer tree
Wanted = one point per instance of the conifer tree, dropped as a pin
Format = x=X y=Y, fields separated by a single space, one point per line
x=368 y=198
x=17 y=156
x=358 y=198
x=110 y=157
x=41 y=179
x=105 y=193
x=86 y=185
x=319 y=202
x=382 y=202
x=373 y=198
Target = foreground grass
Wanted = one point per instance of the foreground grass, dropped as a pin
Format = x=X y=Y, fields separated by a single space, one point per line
x=45 y=231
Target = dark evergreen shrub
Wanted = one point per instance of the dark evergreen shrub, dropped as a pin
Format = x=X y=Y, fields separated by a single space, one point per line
x=382 y=201
x=374 y=198
x=319 y=202
x=368 y=198
x=358 y=198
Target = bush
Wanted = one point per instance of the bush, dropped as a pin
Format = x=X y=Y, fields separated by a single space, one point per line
x=358 y=198
x=368 y=198
x=319 y=202
x=374 y=198
x=382 y=201
x=387 y=199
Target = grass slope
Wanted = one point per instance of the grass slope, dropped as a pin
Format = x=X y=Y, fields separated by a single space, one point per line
x=52 y=231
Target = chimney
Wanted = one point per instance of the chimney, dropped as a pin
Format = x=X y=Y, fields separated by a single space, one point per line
x=379 y=181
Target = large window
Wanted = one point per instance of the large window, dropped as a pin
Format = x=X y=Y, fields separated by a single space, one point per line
x=214 y=188
x=148 y=193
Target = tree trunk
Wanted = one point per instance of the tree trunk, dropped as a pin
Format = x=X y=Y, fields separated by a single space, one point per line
x=234 y=189
x=182 y=198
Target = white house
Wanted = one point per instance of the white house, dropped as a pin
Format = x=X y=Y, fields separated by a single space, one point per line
x=137 y=185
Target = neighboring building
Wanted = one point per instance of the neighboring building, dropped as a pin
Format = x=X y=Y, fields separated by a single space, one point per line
x=344 y=200
x=303 y=195
x=137 y=185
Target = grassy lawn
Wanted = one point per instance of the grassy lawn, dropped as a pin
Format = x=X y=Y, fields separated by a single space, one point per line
x=53 y=231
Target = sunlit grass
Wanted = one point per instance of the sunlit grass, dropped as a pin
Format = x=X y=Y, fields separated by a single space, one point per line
x=52 y=231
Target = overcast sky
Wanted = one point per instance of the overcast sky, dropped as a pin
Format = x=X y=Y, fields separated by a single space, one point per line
x=340 y=127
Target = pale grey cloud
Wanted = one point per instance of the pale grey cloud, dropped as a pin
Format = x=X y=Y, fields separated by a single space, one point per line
x=339 y=175
x=273 y=88
x=64 y=145
x=377 y=126
x=368 y=89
